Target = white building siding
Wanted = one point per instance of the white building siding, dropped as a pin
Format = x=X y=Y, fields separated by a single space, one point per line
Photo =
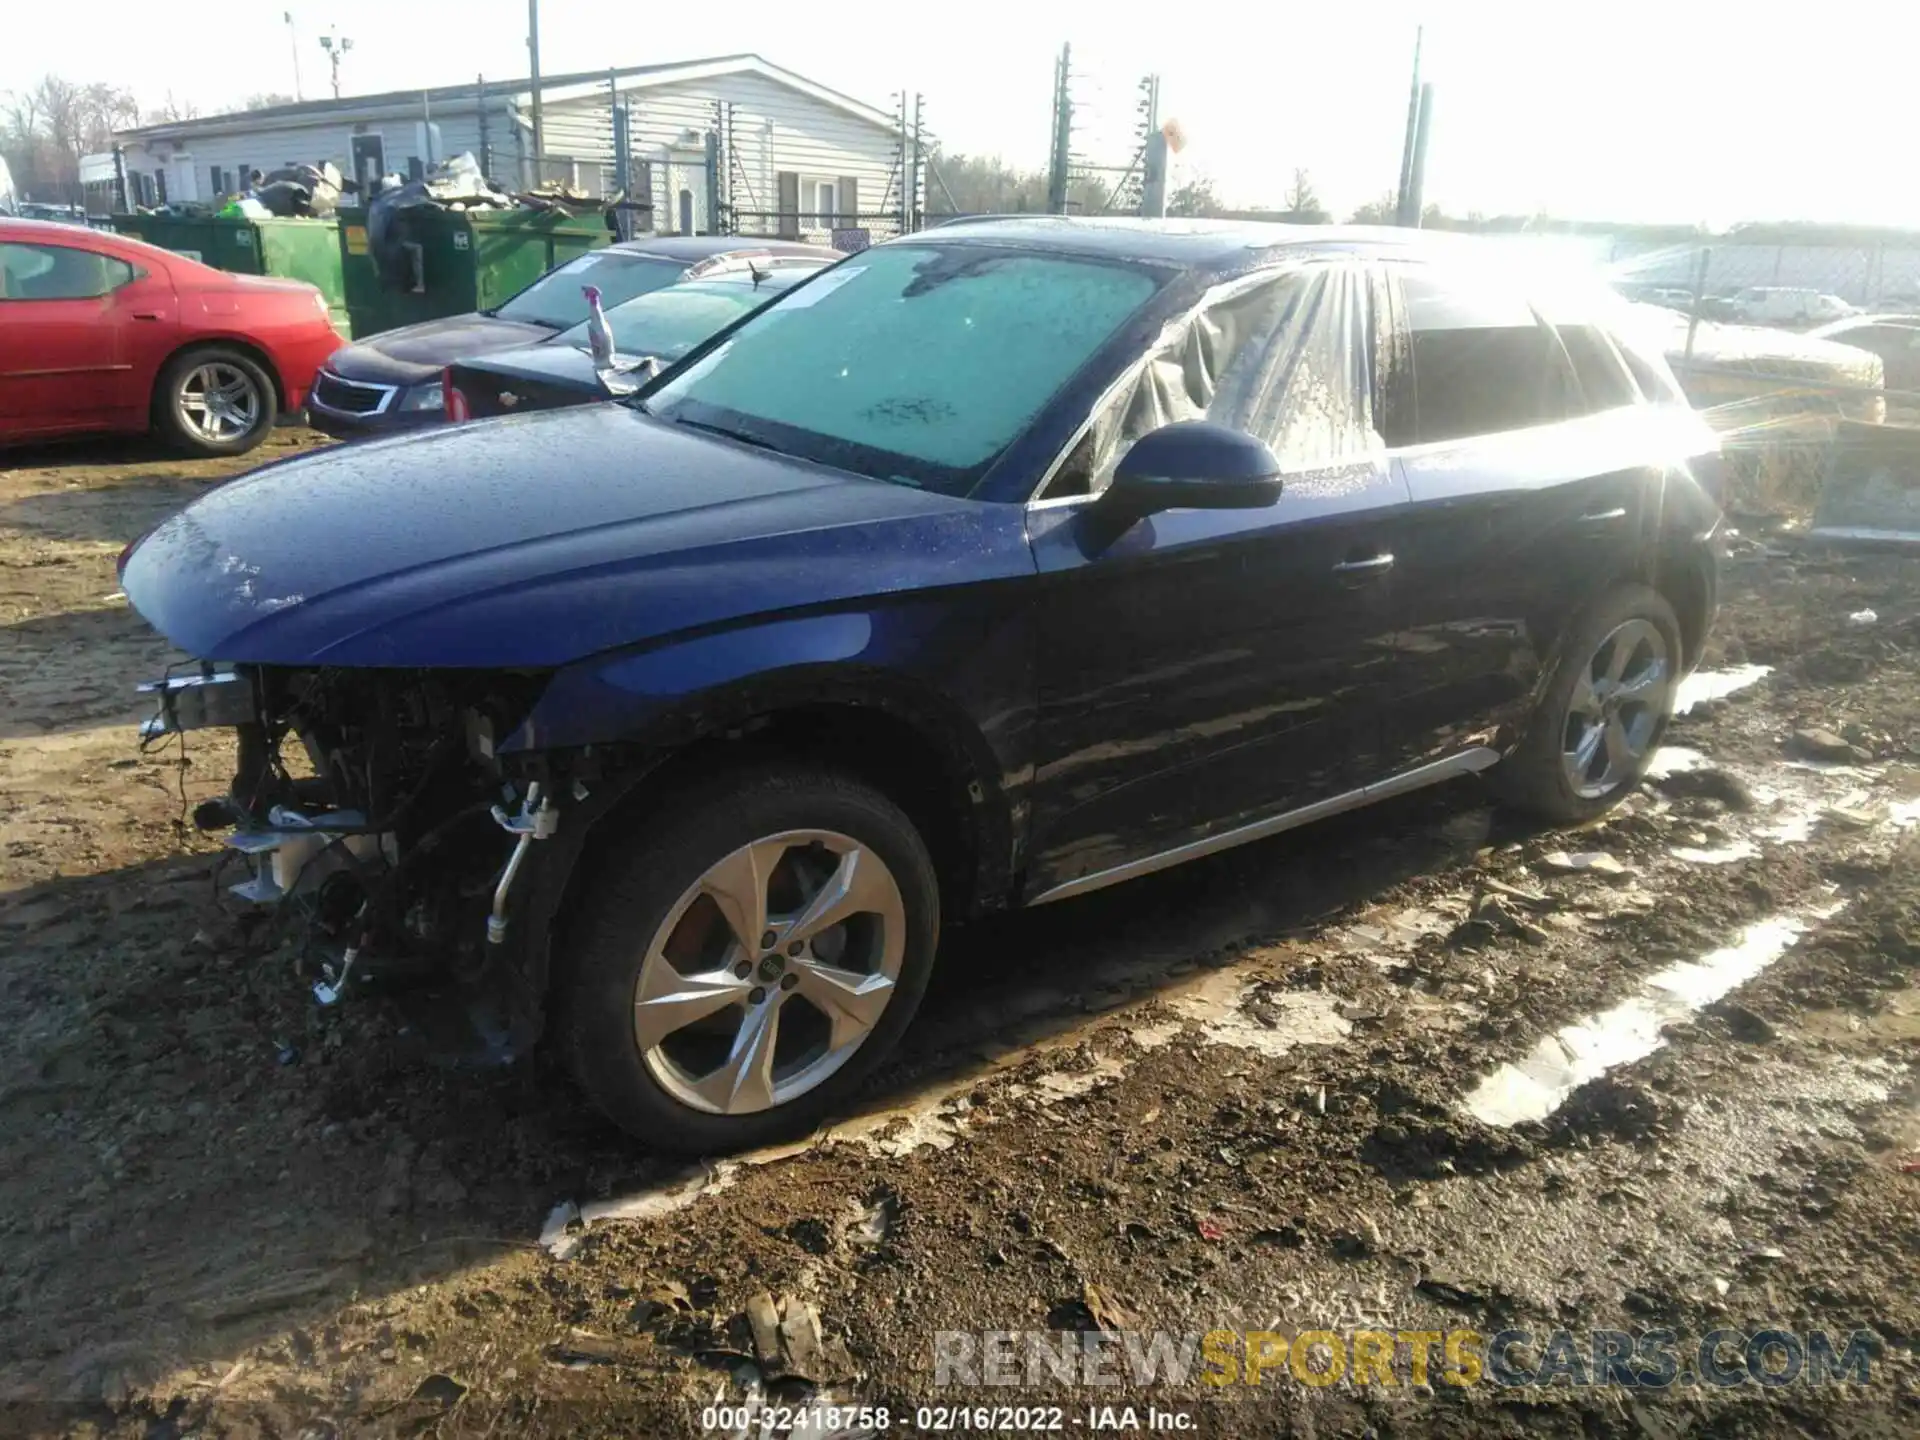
x=799 y=162
x=272 y=146
x=774 y=129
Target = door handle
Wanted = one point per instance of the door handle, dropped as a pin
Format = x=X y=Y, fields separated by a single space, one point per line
x=1372 y=565
x=146 y=314
x=1601 y=517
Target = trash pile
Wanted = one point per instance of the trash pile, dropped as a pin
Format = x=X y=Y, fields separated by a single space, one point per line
x=295 y=190
x=455 y=185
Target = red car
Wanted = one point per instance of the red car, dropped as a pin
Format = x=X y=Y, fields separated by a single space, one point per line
x=99 y=332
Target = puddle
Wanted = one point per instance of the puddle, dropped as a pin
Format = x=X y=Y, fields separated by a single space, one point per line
x=1704 y=685
x=1153 y=1037
x=1674 y=760
x=1272 y=1023
x=1719 y=855
x=1399 y=930
x=1567 y=1059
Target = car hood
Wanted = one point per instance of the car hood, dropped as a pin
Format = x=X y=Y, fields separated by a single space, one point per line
x=417 y=353
x=537 y=540
x=563 y=364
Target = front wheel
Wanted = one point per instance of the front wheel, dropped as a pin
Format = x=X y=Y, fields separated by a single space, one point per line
x=739 y=973
x=214 y=401
x=1602 y=715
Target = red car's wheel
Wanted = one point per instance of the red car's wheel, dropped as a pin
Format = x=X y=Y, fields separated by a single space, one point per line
x=214 y=401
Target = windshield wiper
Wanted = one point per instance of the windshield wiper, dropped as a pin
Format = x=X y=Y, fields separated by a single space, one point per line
x=722 y=430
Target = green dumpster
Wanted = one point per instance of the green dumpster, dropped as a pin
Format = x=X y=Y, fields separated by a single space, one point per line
x=457 y=261
x=306 y=250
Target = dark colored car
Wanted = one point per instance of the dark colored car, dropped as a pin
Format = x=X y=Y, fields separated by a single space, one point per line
x=392 y=381
x=661 y=325
x=100 y=333
x=996 y=565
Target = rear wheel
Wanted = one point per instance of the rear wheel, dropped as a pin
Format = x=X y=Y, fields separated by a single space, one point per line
x=214 y=400
x=1604 y=712
x=737 y=975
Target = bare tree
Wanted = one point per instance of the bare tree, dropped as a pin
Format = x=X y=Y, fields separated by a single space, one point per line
x=171 y=111
x=1303 y=202
x=45 y=131
x=1376 y=212
x=1195 y=198
x=266 y=101
x=982 y=185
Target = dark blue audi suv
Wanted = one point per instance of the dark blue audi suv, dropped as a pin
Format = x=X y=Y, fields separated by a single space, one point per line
x=990 y=566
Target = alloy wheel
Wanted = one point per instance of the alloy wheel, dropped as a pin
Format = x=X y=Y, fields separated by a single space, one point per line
x=218 y=402
x=769 y=972
x=1614 y=714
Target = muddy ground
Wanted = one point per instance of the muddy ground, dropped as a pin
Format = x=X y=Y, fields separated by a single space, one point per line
x=1311 y=1085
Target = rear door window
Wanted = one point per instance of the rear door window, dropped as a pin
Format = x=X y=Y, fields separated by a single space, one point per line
x=1482 y=362
x=59 y=272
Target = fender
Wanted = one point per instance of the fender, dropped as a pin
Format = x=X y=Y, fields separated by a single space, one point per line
x=955 y=668
x=649 y=704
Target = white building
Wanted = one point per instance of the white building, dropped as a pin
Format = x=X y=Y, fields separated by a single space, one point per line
x=783 y=154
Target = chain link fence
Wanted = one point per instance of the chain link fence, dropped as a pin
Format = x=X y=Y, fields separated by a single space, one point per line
x=1806 y=360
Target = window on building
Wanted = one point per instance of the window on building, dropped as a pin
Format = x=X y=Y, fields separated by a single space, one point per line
x=823 y=194
x=59 y=272
x=416 y=170
x=160 y=187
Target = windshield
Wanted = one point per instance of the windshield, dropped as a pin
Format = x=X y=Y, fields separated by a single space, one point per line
x=555 y=301
x=670 y=322
x=915 y=363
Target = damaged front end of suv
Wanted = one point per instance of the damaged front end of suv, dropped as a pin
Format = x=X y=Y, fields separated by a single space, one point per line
x=457 y=694
x=376 y=807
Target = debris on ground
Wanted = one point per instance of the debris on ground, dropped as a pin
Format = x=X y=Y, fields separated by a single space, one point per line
x=1589 y=862
x=1817 y=744
x=789 y=1344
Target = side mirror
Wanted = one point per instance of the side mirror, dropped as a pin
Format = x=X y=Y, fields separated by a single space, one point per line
x=1195 y=465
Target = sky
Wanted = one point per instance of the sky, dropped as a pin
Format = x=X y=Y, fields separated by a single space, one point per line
x=1691 y=111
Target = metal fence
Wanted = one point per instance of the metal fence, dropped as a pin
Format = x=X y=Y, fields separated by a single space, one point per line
x=1873 y=277
x=1101 y=121
x=1804 y=419
x=675 y=164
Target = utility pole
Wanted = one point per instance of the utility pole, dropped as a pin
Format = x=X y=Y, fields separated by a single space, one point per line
x=1062 y=132
x=919 y=169
x=335 y=46
x=1413 y=131
x=1417 y=178
x=533 y=61
x=293 y=38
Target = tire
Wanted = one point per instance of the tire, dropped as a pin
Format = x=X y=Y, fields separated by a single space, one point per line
x=642 y=905
x=241 y=416
x=1539 y=777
